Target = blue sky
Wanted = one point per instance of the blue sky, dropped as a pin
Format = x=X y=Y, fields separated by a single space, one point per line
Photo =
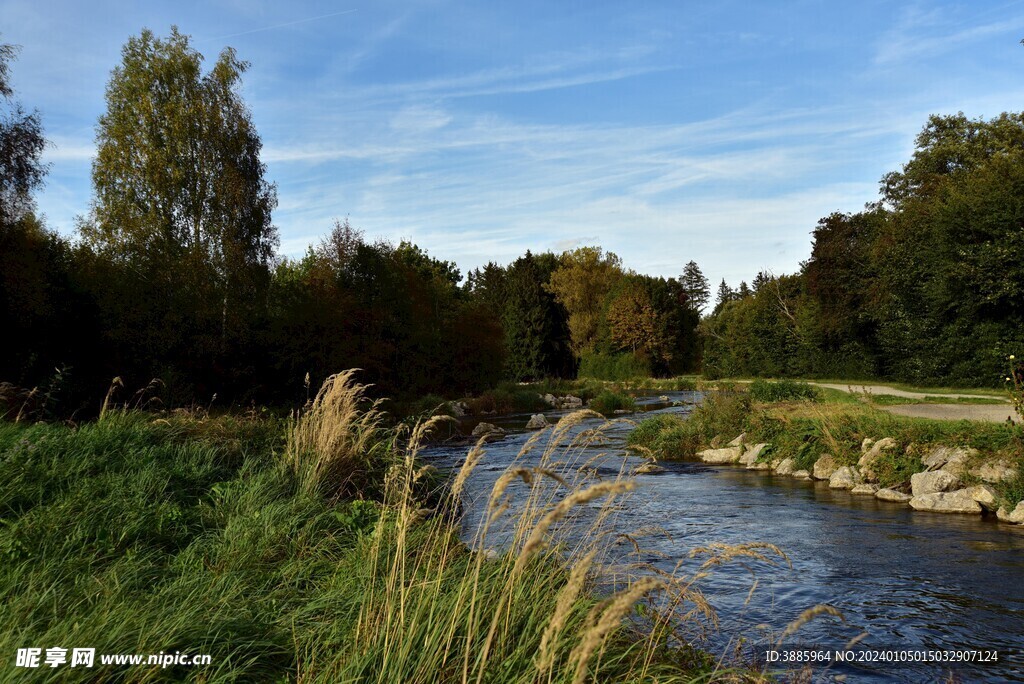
x=663 y=131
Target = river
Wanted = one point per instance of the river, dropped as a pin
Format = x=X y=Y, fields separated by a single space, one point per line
x=903 y=579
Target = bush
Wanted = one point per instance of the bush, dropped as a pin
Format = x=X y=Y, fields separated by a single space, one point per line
x=608 y=402
x=783 y=390
x=615 y=367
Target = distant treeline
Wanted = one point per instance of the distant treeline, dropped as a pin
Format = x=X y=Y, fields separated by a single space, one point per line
x=924 y=286
x=173 y=274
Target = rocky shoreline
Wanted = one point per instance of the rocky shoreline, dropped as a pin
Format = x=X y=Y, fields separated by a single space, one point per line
x=952 y=479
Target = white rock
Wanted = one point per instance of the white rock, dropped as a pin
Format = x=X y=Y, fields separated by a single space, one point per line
x=648 y=468
x=868 y=458
x=802 y=474
x=995 y=472
x=785 y=467
x=892 y=495
x=551 y=399
x=537 y=422
x=943 y=457
x=665 y=398
x=570 y=401
x=824 y=467
x=846 y=477
x=959 y=501
x=718 y=456
x=929 y=483
x=752 y=453
x=866 y=445
x=761 y=465
x=1015 y=516
x=866 y=488
x=741 y=439
x=984 y=495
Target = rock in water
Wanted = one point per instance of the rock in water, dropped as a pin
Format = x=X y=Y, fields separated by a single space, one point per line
x=785 y=467
x=649 y=468
x=959 y=501
x=719 y=456
x=846 y=477
x=802 y=474
x=1015 y=516
x=825 y=467
x=892 y=495
x=739 y=441
x=537 y=422
x=985 y=495
x=936 y=481
x=489 y=431
x=868 y=489
x=752 y=453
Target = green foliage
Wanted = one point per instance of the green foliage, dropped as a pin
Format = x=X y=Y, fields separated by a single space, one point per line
x=614 y=367
x=608 y=402
x=783 y=390
x=894 y=467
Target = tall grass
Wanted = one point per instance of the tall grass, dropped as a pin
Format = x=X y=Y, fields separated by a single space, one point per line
x=329 y=554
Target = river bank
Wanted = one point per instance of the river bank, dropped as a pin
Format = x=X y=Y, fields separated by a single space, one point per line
x=930 y=465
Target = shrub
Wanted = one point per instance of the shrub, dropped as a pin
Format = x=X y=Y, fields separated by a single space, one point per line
x=615 y=367
x=608 y=402
x=783 y=390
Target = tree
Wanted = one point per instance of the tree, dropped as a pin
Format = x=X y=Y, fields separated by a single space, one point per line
x=21 y=148
x=696 y=287
x=725 y=295
x=581 y=284
x=634 y=323
x=177 y=176
x=180 y=196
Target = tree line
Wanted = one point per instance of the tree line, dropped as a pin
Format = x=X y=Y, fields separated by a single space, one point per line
x=925 y=285
x=173 y=273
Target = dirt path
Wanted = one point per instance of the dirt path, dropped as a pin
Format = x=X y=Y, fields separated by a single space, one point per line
x=986 y=412
x=994 y=413
x=883 y=389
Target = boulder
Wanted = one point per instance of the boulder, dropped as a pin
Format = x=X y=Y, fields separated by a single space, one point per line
x=999 y=471
x=866 y=445
x=740 y=440
x=825 y=467
x=984 y=495
x=846 y=477
x=537 y=422
x=892 y=495
x=952 y=459
x=752 y=453
x=785 y=467
x=959 y=501
x=551 y=400
x=718 y=456
x=761 y=465
x=802 y=474
x=665 y=398
x=488 y=430
x=571 y=402
x=929 y=483
x=866 y=488
x=1015 y=516
x=648 y=468
x=868 y=458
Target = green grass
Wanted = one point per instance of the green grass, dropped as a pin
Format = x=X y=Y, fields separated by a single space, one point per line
x=317 y=550
x=783 y=390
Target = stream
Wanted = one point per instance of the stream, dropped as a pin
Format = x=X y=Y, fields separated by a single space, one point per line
x=904 y=579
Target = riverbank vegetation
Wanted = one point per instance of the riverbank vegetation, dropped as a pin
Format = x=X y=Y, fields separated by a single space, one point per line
x=836 y=425
x=320 y=549
x=924 y=286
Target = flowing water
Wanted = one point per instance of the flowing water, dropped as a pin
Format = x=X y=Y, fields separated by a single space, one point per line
x=903 y=579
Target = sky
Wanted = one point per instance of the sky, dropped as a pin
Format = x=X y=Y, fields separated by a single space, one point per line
x=665 y=132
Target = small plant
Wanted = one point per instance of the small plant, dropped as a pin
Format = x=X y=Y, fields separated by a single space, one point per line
x=783 y=390
x=1015 y=386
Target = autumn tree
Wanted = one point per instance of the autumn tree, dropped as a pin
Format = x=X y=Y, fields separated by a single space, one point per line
x=581 y=284
x=634 y=324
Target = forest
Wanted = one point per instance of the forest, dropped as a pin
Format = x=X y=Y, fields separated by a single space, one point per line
x=172 y=280
x=925 y=285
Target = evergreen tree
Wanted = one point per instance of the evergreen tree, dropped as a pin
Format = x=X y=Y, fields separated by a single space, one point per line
x=696 y=287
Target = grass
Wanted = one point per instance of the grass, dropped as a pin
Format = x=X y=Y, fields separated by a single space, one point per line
x=321 y=550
